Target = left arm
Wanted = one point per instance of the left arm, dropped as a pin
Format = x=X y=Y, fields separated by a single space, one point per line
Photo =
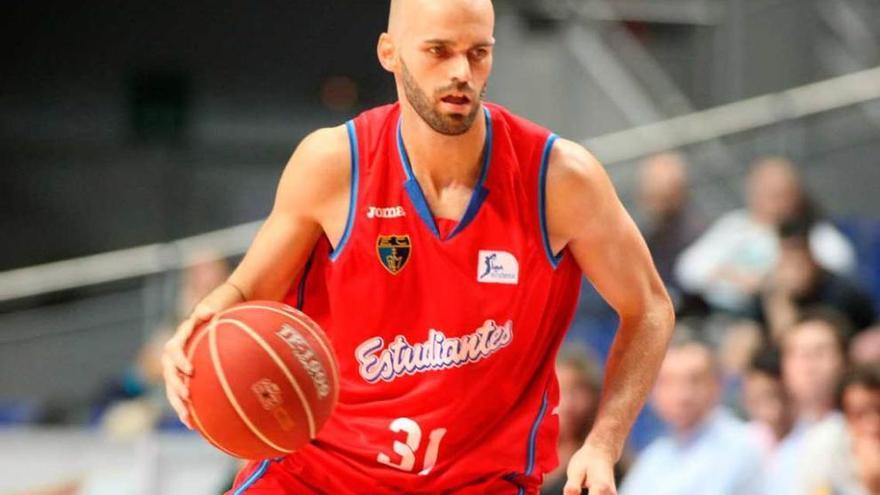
x=585 y=215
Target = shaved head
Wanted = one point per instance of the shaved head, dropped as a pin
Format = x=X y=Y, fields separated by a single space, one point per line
x=440 y=52
x=402 y=12
x=394 y=16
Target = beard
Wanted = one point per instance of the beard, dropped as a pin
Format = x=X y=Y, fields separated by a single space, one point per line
x=450 y=124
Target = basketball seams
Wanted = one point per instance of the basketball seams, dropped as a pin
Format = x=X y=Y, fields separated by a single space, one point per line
x=218 y=369
x=211 y=439
x=281 y=365
x=192 y=411
x=309 y=325
x=306 y=322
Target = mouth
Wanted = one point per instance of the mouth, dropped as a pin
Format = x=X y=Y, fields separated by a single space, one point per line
x=458 y=101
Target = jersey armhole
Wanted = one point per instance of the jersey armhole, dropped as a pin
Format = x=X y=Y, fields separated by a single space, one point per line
x=554 y=259
x=353 y=190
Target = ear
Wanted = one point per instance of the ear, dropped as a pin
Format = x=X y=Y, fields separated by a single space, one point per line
x=387 y=52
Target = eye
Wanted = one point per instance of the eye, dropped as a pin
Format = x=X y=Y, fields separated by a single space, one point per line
x=437 y=51
x=479 y=53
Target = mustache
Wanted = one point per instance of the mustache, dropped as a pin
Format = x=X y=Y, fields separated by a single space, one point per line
x=460 y=87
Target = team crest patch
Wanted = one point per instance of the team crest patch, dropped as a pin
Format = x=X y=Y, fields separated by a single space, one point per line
x=393 y=251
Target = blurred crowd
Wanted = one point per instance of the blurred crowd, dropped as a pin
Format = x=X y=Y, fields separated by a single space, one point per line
x=771 y=385
x=134 y=402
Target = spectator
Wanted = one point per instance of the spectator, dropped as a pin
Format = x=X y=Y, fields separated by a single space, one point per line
x=665 y=218
x=766 y=402
x=206 y=271
x=844 y=457
x=739 y=342
x=797 y=282
x=580 y=385
x=728 y=263
x=135 y=402
x=813 y=360
x=865 y=347
x=707 y=451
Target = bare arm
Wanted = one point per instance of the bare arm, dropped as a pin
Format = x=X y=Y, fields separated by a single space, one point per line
x=312 y=198
x=585 y=214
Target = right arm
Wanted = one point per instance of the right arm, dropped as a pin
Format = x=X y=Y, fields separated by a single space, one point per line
x=311 y=200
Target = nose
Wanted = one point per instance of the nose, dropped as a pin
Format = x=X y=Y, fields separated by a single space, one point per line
x=460 y=69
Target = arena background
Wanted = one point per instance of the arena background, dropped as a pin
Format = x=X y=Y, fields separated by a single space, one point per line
x=136 y=138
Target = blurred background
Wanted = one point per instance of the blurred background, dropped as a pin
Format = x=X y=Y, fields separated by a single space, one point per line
x=141 y=143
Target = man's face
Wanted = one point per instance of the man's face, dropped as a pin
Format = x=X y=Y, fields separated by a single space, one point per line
x=444 y=57
x=687 y=387
x=861 y=406
x=811 y=362
x=796 y=271
x=774 y=192
x=765 y=401
x=663 y=186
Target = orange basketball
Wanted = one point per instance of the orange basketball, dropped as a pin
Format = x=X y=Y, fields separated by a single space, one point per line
x=264 y=379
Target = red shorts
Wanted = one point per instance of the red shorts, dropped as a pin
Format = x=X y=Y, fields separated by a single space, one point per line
x=280 y=477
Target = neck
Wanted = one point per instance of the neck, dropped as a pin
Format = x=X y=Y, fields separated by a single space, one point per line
x=815 y=411
x=438 y=160
x=684 y=434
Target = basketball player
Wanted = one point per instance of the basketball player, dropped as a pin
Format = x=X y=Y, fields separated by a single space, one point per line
x=382 y=231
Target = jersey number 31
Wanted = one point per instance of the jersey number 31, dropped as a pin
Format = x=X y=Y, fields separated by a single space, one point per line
x=407 y=450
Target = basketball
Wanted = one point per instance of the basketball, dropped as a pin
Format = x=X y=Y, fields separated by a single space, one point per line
x=264 y=379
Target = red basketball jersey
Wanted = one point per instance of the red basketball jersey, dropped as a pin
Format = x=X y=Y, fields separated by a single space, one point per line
x=446 y=332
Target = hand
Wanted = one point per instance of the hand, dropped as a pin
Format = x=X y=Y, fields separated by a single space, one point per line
x=592 y=468
x=174 y=361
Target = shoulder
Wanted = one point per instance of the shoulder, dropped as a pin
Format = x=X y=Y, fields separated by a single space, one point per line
x=570 y=163
x=578 y=189
x=825 y=434
x=324 y=148
x=320 y=167
x=736 y=219
x=733 y=433
x=324 y=154
x=733 y=223
x=826 y=234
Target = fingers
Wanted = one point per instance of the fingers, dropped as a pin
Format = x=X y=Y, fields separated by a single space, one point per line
x=574 y=485
x=202 y=312
x=174 y=347
x=174 y=366
x=602 y=486
x=603 y=489
x=179 y=407
x=173 y=381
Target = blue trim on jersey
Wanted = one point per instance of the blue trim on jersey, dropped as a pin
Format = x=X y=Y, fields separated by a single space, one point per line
x=520 y=490
x=480 y=192
x=352 y=205
x=253 y=478
x=533 y=435
x=542 y=201
x=301 y=290
x=478 y=196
